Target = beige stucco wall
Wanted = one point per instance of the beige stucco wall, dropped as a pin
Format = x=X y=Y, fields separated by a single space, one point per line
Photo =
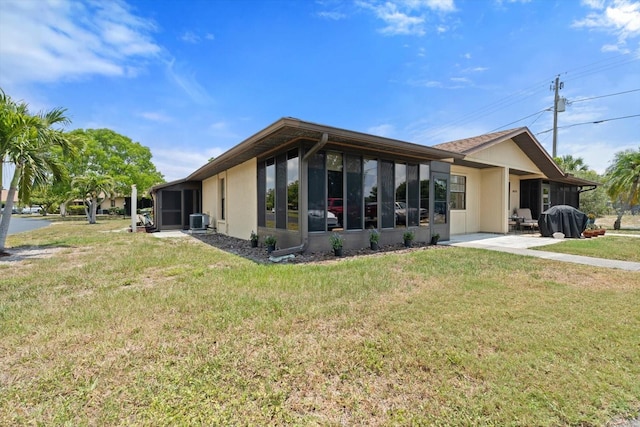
x=209 y=197
x=514 y=195
x=489 y=201
x=467 y=220
x=241 y=194
x=507 y=154
x=494 y=200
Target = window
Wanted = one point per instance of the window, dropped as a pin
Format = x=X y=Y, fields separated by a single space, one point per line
x=292 y=190
x=316 y=194
x=386 y=199
x=335 y=186
x=222 y=213
x=270 y=194
x=401 y=195
x=424 y=194
x=458 y=192
x=371 y=193
x=413 y=196
x=353 y=166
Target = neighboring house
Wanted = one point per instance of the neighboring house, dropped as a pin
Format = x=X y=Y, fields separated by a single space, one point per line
x=5 y=193
x=294 y=178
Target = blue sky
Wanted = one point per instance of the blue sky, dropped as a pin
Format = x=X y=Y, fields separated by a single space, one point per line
x=191 y=79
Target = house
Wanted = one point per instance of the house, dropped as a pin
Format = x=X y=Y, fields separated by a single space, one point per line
x=299 y=181
x=501 y=172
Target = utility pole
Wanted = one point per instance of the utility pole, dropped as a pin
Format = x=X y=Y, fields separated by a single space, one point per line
x=558 y=107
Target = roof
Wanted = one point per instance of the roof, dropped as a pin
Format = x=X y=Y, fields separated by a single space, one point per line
x=525 y=140
x=288 y=130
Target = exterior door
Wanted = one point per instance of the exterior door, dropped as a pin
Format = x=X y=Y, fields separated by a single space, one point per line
x=440 y=210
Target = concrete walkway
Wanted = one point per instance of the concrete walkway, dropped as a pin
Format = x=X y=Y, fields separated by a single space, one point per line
x=519 y=244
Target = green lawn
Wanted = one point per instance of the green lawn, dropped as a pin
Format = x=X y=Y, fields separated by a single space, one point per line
x=609 y=247
x=128 y=329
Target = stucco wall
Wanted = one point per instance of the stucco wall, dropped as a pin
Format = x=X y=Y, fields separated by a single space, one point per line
x=209 y=197
x=514 y=195
x=467 y=220
x=241 y=198
x=508 y=154
x=494 y=200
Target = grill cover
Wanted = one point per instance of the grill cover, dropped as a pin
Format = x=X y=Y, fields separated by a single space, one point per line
x=564 y=219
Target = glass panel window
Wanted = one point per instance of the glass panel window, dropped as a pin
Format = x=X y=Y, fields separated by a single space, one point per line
x=440 y=201
x=401 y=211
x=386 y=194
x=413 y=196
x=318 y=220
x=424 y=195
x=270 y=195
x=292 y=191
x=222 y=199
x=458 y=192
x=335 y=187
x=354 y=192
x=371 y=193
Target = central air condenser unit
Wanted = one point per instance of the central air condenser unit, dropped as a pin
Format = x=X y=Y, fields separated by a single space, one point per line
x=198 y=221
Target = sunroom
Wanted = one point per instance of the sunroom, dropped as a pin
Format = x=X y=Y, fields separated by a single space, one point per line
x=300 y=181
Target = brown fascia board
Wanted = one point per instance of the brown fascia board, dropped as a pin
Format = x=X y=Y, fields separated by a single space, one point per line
x=167 y=184
x=249 y=148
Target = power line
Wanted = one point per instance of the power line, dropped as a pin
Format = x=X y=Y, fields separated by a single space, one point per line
x=520 y=95
x=519 y=120
x=604 y=96
x=589 y=123
x=569 y=102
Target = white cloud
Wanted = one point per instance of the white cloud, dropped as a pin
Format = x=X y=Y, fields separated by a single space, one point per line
x=195 y=38
x=187 y=82
x=334 y=16
x=385 y=130
x=190 y=37
x=177 y=164
x=407 y=17
x=49 y=41
x=222 y=130
x=155 y=116
x=620 y=18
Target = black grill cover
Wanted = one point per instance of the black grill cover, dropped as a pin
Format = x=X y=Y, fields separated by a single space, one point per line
x=564 y=219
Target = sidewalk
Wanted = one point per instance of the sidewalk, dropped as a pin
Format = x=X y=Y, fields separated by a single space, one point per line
x=520 y=244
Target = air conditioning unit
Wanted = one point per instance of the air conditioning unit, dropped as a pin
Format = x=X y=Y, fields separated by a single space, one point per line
x=198 y=221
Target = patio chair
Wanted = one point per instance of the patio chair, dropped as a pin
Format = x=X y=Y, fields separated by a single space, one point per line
x=526 y=221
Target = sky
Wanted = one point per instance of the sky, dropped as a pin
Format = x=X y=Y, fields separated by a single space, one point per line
x=191 y=79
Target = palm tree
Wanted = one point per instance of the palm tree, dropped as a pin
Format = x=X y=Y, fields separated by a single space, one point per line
x=623 y=182
x=570 y=164
x=27 y=141
x=93 y=189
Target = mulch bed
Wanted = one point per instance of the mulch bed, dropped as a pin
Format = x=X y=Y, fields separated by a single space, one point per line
x=243 y=248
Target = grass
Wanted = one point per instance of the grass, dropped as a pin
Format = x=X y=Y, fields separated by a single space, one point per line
x=609 y=247
x=127 y=329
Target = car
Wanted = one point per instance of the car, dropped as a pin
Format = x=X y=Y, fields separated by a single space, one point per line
x=316 y=220
x=31 y=209
x=401 y=212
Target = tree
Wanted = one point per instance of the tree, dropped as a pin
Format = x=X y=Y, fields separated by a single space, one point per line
x=623 y=182
x=592 y=201
x=107 y=153
x=93 y=189
x=27 y=141
x=571 y=164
